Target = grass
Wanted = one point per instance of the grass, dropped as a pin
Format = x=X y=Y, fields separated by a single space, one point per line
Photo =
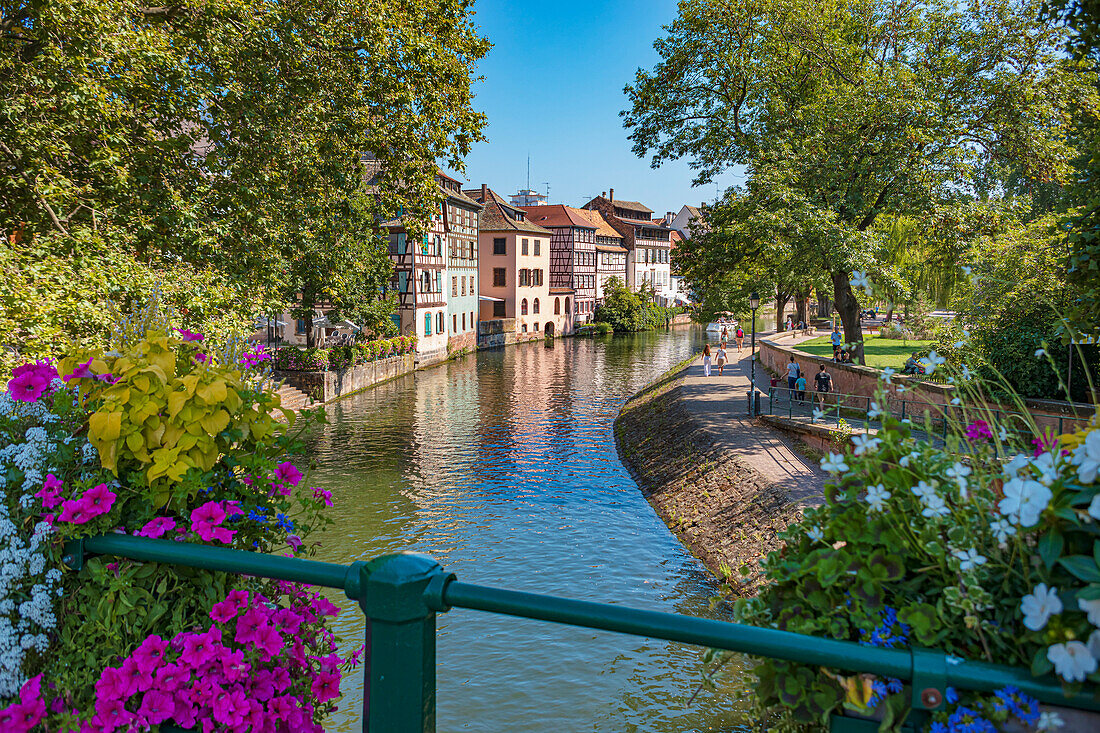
x=880 y=352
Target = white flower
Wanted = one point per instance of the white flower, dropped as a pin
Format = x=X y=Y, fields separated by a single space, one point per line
x=1018 y=462
x=859 y=280
x=818 y=414
x=967 y=270
x=1040 y=353
x=904 y=460
x=1092 y=608
x=935 y=506
x=1087 y=458
x=969 y=559
x=887 y=373
x=1024 y=501
x=901 y=388
x=864 y=444
x=877 y=496
x=931 y=361
x=1002 y=530
x=874 y=412
x=956 y=401
x=924 y=489
x=815 y=533
x=1047 y=463
x=1072 y=660
x=1039 y=605
x=1049 y=721
x=966 y=372
x=1094 y=507
x=834 y=464
x=959 y=345
x=959 y=472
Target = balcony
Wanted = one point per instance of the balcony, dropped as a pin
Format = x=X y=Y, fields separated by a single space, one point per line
x=408 y=260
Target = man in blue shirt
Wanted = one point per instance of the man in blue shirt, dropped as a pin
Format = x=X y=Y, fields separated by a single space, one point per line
x=837 y=340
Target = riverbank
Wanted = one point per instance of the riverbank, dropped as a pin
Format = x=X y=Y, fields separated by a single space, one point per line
x=724 y=484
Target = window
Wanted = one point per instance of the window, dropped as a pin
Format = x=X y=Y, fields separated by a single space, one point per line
x=401 y=243
x=557 y=306
x=498 y=309
x=427 y=286
x=454 y=322
x=463 y=284
x=536 y=324
x=523 y=248
x=402 y=281
x=498 y=277
x=500 y=246
x=537 y=245
x=454 y=248
x=427 y=324
x=473 y=322
x=439 y=283
x=439 y=323
x=535 y=306
x=523 y=307
x=473 y=287
x=525 y=328
x=463 y=321
x=454 y=287
x=567 y=306
x=438 y=246
x=300 y=326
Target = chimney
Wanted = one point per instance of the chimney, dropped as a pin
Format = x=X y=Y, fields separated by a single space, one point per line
x=611 y=198
x=603 y=194
x=668 y=218
x=484 y=194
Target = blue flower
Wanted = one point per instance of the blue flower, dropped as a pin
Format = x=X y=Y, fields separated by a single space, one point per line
x=257 y=515
x=894 y=685
x=951 y=695
x=938 y=728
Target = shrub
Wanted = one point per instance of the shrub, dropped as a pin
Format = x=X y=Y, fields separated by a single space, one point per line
x=981 y=548
x=341 y=357
x=156 y=438
x=294 y=359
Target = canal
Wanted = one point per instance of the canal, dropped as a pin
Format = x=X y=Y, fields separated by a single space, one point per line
x=503 y=467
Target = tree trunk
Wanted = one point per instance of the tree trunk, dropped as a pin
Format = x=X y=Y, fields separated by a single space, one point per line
x=802 y=304
x=310 y=340
x=848 y=308
x=780 y=304
x=890 y=313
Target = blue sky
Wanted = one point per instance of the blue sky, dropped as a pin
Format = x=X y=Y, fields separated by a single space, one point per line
x=553 y=89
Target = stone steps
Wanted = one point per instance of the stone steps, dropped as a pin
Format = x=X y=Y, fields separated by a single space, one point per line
x=293 y=398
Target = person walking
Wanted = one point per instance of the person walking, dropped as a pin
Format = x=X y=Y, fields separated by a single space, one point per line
x=823 y=381
x=793 y=371
x=706 y=360
x=740 y=335
x=837 y=339
x=800 y=385
x=721 y=357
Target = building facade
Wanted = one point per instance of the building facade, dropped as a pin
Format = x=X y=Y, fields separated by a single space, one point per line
x=610 y=253
x=419 y=268
x=685 y=220
x=461 y=277
x=647 y=243
x=572 y=254
x=514 y=268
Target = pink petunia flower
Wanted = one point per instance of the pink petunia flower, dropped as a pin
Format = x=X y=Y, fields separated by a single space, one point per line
x=111 y=715
x=223 y=612
x=979 y=430
x=171 y=677
x=150 y=655
x=280 y=678
x=325 y=606
x=156 y=707
x=108 y=378
x=99 y=499
x=269 y=640
x=294 y=541
x=114 y=685
x=75 y=511
x=50 y=493
x=324 y=495
x=326 y=686
x=198 y=649
x=141 y=678
x=157 y=527
x=80 y=371
x=28 y=386
x=189 y=335
x=287 y=473
x=211 y=512
x=249 y=626
x=230 y=707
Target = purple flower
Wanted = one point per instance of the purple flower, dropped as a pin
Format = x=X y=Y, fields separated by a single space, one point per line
x=28 y=386
x=156 y=707
x=49 y=494
x=189 y=335
x=99 y=500
x=324 y=495
x=287 y=473
x=157 y=527
x=75 y=511
x=81 y=371
x=979 y=430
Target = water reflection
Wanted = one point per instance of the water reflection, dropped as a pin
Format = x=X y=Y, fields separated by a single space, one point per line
x=503 y=467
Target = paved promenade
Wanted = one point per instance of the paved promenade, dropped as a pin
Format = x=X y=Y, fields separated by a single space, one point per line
x=720 y=404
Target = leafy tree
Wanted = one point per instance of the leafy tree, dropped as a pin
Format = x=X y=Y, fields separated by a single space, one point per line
x=862 y=108
x=229 y=134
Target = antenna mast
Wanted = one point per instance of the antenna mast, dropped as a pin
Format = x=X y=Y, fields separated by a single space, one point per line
x=528 y=171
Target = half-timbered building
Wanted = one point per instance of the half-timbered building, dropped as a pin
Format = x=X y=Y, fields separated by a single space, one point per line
x=610 y=253
x=572 y=254
x=461 y=278
x=647 y=242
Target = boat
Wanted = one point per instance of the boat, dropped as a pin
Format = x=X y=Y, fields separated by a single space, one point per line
x=715 y=328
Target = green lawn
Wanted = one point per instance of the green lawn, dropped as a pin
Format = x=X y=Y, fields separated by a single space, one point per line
x=880 y=352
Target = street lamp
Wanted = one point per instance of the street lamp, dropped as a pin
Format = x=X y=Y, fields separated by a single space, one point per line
x=754 y=303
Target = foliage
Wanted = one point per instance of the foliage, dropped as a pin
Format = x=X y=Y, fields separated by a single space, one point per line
x=55 y=295
x=879 y=352
x=226 y=139
x=294 y=359
x=848 y=111
x=92 y=454
x=625 y=310
x=917 y=545
x=599 y=328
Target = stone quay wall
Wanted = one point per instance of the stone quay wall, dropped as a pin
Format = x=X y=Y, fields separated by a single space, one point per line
x=329 y=385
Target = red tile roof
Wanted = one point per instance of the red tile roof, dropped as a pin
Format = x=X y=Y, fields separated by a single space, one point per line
x=557 y=215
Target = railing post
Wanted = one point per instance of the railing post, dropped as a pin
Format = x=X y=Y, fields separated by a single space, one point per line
x=399 y=675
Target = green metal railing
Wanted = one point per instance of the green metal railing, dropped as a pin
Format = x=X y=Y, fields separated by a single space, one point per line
x=401 y=594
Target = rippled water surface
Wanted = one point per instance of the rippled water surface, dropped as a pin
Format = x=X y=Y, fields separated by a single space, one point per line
x=503 y=467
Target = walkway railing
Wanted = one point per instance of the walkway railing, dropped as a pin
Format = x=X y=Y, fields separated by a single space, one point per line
x=401 y=595
x=837 y=405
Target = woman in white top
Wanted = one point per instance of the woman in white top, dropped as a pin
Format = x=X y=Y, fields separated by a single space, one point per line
x=721 y=356
x=706 y=360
